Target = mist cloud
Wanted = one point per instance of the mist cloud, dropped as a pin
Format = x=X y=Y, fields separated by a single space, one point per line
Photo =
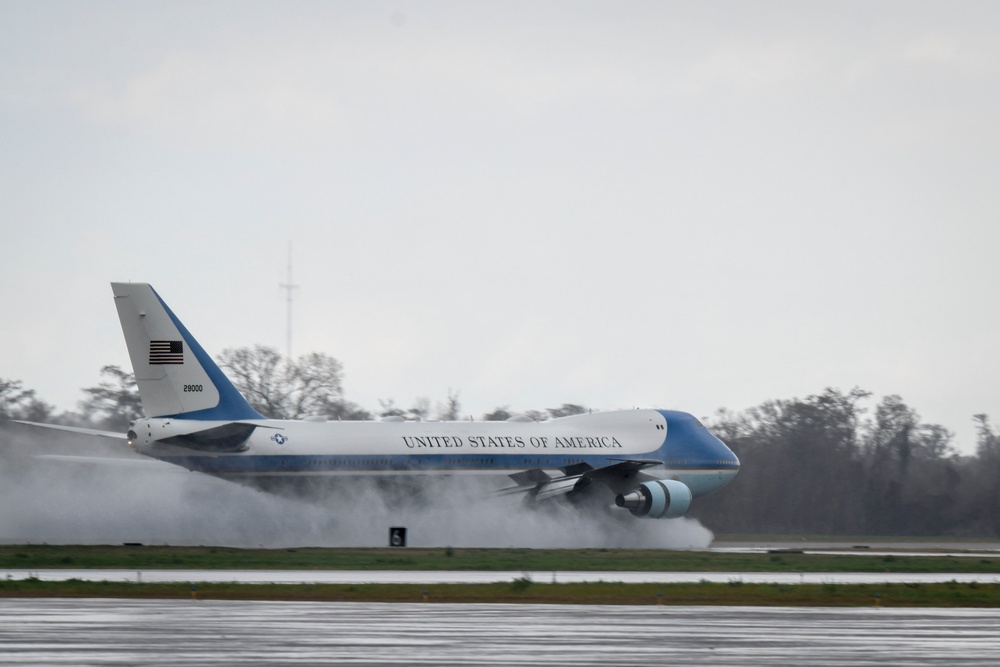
x=59 y=502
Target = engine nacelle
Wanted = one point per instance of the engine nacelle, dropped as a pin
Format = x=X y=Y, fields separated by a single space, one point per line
x=662 y=499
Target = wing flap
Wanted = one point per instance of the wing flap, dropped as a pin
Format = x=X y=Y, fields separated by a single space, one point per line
x=556 y=487
x=539 y=485
x=530 y=477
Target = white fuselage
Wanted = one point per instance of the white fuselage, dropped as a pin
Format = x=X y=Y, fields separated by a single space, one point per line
x=321 y=448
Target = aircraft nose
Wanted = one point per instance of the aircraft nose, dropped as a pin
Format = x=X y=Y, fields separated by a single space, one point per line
x=725 y=455
x=732 y=456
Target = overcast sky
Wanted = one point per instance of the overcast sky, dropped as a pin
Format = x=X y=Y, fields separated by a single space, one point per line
x=686 y=205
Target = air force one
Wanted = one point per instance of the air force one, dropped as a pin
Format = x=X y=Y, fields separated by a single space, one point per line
x=652 y=463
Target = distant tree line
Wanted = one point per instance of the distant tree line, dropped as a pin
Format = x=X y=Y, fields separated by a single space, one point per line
x=818 y=465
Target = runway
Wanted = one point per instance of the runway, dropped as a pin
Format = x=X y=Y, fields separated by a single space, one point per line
x=881 y=548
x=485 y=577
x=213 y=633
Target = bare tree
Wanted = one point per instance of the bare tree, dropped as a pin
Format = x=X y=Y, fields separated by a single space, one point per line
x=499 y=414
x=114 y=402
x=389 y=409
x=346 y=411
x=16 y=402
x=315 y=385
x=285 y=390
x=419 y=411
x=449 y=410
x=988 y=440
x=567 y=409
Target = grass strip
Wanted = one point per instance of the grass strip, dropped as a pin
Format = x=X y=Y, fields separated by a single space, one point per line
x=524 y=591
x=39 y=557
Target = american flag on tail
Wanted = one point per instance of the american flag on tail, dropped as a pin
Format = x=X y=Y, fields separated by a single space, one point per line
x=166 y=352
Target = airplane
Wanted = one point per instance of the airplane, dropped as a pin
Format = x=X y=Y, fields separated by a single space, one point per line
x=653 y=463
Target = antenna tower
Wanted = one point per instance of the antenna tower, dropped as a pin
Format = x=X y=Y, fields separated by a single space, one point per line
x=289 y=288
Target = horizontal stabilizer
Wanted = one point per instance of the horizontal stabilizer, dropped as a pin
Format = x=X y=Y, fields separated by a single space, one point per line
x=75 y=429
x=146 y=463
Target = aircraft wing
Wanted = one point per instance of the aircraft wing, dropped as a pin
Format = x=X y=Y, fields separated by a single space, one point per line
x=540 y=485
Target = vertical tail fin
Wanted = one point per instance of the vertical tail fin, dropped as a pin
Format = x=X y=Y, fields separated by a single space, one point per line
x=176 y=377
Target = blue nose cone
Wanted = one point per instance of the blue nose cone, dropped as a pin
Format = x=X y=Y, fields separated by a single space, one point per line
x=691 y=445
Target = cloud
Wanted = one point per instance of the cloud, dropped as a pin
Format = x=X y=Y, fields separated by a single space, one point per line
x=228 y=100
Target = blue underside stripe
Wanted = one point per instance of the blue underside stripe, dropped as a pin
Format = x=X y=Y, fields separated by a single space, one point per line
x=256 y=464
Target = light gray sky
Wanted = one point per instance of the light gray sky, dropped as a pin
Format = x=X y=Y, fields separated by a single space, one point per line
x=675 y=204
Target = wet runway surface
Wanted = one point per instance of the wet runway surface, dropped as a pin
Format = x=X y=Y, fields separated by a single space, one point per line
x=171 y=632
x=866 y=546
x=876 y=548
x=485 y=577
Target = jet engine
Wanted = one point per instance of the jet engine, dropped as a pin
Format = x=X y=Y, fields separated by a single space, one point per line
x=662 y=499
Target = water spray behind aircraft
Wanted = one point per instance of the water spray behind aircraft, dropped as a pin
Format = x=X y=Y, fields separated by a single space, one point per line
x=57 y=502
